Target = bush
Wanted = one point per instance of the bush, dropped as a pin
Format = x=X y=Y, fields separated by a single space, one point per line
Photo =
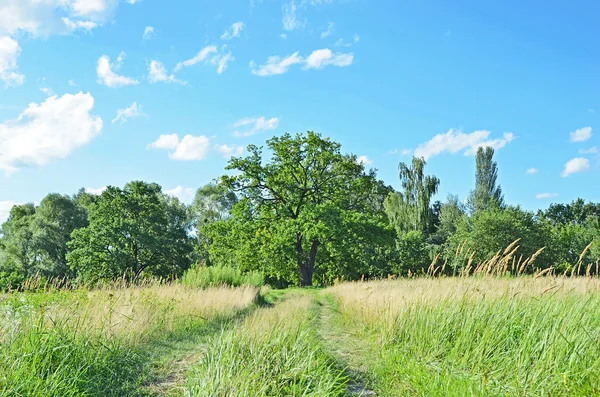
x=212 y=276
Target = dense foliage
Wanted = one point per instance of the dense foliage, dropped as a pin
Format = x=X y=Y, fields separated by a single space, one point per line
x=299 y=211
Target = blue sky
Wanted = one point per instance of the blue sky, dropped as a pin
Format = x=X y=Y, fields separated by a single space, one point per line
x=101 y=92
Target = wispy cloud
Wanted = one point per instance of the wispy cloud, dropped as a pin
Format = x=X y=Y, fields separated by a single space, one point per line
x=318 y=59
x=290 y=19
x=229 y=151
x=233 y=31
x=209 y=54
x=329 y=31
x=132 y=111
x=148 y=33
x=401 y=152
x=364 y=160
x=531 y=171
x=457 y=141
x=253 y=125
x=158 y=73
x=184 y=194
x=592 y=150
x=546 y=195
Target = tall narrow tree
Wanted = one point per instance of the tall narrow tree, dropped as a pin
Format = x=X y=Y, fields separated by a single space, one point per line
x=486 y=193
x=410 y=210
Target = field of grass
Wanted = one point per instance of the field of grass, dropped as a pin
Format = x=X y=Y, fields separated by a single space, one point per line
x=468 y=336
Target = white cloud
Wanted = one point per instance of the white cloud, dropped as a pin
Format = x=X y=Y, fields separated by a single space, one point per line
x=318 y=59
x=255 y=124
x=456 y=141
x=189 y=148
x=581 y=134
x=72 y=83
x=148 y=33
x=201 y=56
x=184 y=194
x=342 y=43
x=228 y=151
x=277 y=65
x=9 y=52
x=123 y=115
x=531 y=171
x=546 y=195
x=219 y=59
x=83 y=25
x=107 y=75
x=95 y=191
x=165 y=142
x=233 y=31
x=327 y=32
x=48 y=131
x=5 y=207
x=47 y=91
x=573 y=166
x=158 y=73
x=592 y=150
x=321 y=58
x=283 y=36
x=290 y=20
x=364 y=160
x=401 y=152
x=133 y=1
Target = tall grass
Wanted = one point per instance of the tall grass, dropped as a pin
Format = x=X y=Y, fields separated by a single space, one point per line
x=213 y=276
x=487 y=337
x=73 y=343
x=275 y=352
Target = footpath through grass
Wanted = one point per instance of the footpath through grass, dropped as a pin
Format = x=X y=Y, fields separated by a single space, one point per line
x=472 y=337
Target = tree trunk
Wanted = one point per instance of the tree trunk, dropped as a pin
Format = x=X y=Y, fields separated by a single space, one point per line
x=307 y=268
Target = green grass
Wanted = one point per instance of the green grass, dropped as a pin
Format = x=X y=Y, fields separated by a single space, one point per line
x=545 y=345
x=212 y=276
x=275 y=352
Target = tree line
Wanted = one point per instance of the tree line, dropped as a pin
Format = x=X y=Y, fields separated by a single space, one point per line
x=298 y=210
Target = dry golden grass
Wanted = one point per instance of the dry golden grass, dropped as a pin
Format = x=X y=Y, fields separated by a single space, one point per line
x=382 y=301
x=132 y=312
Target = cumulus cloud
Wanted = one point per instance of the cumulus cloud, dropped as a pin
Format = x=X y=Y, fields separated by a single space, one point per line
x=9 y=52
x=531 y=171
x=318 y=59
x=106 y=72
x=456 y=141
x=95 y=191
x=233 y=31
x=184 y=194
x=132 y=111
x=229 y=151
x=189 y=148
x=252 y=125
x=573 y=166
x=581 y=134
x=83 y=25
x=158 y=73
x=48 y=131
x=148 y=33
x=546 y=195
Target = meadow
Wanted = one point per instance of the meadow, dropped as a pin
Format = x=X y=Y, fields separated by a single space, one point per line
x=428 y=336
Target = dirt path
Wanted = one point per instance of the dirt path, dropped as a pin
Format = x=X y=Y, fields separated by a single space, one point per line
x=342 y=347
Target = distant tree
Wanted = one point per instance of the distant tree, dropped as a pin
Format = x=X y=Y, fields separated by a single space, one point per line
x=410 y=209
x=308 y=203
x=131 y=231
x=55 y=219
x=18 y=257
x=578 y=212
x=212 y=203
x=486 y=193
x=449 y=216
